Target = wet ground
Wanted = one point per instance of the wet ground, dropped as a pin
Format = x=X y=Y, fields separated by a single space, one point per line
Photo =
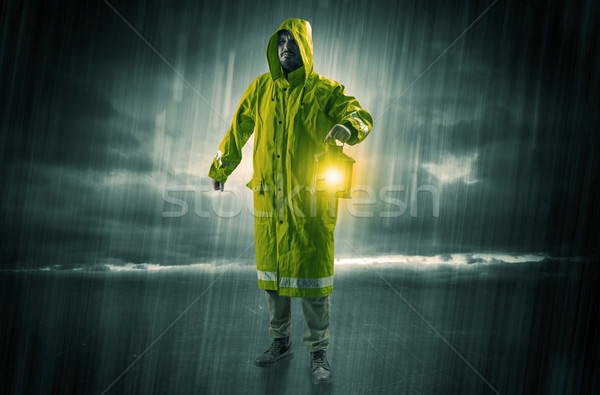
x=510 y=328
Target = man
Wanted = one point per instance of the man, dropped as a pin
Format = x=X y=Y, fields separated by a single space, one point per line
x=295 y=112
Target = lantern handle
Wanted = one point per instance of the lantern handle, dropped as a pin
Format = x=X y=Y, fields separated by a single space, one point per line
x=333 y=143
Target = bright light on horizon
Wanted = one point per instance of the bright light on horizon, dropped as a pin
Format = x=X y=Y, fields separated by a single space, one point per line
x=415 y=261
x=447 y=259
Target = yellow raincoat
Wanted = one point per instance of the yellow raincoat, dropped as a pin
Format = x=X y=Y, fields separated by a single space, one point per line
x=290 y=115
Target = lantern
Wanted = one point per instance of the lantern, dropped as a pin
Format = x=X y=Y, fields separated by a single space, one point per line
x=333 y=171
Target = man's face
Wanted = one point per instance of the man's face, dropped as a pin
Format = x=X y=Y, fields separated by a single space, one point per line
x=288 y=51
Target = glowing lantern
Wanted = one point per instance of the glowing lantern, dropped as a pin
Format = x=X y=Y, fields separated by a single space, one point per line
x=333 y=171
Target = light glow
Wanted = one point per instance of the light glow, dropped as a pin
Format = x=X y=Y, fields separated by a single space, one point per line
x=333 y=177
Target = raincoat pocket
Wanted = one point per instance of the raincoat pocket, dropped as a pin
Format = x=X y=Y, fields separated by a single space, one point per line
x=262 y=209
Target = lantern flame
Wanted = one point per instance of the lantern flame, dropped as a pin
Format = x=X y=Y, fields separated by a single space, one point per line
x=333 y=177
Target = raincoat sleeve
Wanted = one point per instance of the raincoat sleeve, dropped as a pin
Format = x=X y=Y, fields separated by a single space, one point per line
x=229 y=155
x=346 y=110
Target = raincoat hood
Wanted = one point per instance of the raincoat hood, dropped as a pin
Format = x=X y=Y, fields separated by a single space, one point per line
x=302 y=33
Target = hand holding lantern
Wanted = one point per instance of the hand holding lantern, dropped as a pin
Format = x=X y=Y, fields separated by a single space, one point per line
x=338 y=132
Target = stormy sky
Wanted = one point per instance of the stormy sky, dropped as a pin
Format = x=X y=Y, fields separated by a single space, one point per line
x=111 y=113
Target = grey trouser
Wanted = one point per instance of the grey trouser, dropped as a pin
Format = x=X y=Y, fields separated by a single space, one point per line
x=316 y=314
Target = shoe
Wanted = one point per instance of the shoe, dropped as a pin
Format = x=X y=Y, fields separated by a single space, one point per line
x=321 y=372
x=280 y=350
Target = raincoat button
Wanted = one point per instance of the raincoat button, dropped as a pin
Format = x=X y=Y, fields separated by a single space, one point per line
x=278 y=156
x=280 y=122
x=272 y=99
x=279 y=189
x=284 y=89
x=280 y=222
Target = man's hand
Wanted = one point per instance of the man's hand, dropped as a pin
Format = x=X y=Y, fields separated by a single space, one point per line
x=338 y=132
x=217 y=186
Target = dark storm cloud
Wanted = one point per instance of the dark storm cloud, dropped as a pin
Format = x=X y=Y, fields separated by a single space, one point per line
x=516 y=102
x=518 y=194
x=56 y=113
x=78 y=127
x=97 y=220
x=532 y=171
